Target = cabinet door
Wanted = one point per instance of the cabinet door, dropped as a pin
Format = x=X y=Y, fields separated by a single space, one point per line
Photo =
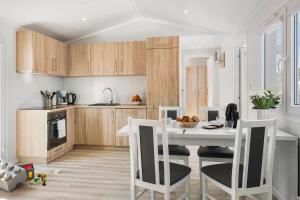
x=122 y=120
x=104 y=59
x=132 y=58
x=70 y=129
x=100 y=126
x=62 y=59
x=162 y=42
x=79 y=60
x=80 y=125
x=163 y=77
x=47 y=55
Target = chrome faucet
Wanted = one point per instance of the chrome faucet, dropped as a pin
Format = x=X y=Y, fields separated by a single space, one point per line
x=111 y=93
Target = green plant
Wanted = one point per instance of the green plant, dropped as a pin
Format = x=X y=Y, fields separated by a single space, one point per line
x=266 y=101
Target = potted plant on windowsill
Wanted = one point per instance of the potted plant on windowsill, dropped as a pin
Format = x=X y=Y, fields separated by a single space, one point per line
x=263 y=102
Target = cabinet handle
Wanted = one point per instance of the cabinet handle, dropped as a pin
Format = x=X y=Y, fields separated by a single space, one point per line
x=121 y=66
x=116 y=66
x=55 y=64
x=52 y=62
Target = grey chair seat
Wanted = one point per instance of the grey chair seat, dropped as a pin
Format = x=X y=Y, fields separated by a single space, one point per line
x=177 y=173
x=175 y=150
x=222 y=173
x=215 y=152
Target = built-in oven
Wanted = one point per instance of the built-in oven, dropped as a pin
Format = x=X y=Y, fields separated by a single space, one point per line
x=57 y=129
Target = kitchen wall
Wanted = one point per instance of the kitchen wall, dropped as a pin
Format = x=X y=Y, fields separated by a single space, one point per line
x=18 y=90
x=89 y=89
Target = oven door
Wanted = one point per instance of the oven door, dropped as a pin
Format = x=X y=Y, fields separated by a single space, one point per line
x=57 y=134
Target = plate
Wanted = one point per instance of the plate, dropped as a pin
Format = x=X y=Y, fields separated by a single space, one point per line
x=209 y=126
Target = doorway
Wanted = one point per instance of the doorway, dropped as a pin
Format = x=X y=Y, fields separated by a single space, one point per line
x=196 y=86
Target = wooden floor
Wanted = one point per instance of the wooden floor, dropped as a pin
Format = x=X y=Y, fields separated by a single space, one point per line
x=94 y=175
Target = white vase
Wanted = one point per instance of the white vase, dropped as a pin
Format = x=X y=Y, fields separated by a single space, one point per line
x=262 y=114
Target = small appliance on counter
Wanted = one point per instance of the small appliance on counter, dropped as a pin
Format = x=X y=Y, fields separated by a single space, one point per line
x=62 y=97
x=232 y=114
x=71 y=98
x=47 y=98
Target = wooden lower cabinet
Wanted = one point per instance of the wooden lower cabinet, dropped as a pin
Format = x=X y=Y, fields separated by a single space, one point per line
x=153 y=113
x=95 y=126
x=100 y=126
x=70 y=129
x=122 y=119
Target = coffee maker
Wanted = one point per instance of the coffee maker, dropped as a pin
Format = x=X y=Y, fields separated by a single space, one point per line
x=62 y=97
x=232 y=114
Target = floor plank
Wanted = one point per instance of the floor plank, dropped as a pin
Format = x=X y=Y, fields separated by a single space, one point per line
x=92 y=175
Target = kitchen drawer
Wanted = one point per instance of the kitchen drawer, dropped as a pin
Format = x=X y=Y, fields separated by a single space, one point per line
x=56 y=152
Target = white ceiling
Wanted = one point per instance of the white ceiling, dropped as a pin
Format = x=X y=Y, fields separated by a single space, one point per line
x=126 y=19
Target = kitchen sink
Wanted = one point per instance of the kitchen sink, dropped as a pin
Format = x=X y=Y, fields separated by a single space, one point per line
x=104 y=104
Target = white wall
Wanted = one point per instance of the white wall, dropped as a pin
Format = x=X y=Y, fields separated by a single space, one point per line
x=19 y=90
x=89 y=89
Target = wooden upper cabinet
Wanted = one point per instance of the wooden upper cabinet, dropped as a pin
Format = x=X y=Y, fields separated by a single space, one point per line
x=47 y=50
x=100 y=126
x=104 y=59
x=79 y=60
x=132 y=58
x=162 y=76
x=162 y=42
x=62 y=59
x=122 y=120
x=27 y=51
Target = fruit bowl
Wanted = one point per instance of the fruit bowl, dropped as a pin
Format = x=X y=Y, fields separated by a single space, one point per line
x=136 y=102
x=188 y=124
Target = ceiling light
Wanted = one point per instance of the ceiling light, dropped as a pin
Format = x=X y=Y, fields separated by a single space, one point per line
x=186 y=11
x=84 y=19
x=203 y=40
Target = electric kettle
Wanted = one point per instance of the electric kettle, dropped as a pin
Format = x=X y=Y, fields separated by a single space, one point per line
x=71 y=98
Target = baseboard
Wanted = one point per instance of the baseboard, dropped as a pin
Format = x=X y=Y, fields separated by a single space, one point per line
x=99 y=147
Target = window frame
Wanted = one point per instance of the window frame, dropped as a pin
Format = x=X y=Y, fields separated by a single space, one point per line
x=279 y=17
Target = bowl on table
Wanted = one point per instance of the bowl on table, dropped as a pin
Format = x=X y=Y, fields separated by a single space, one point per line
x=188 y=122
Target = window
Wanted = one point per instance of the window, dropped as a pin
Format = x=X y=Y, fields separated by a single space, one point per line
x=296 y=57
x=274 y=53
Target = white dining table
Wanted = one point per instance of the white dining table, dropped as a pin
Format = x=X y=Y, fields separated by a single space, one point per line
x=285 y=179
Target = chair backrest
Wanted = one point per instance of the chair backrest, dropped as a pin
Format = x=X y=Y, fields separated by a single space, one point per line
x=258 y=156
x=209 y=113
x=144 y=150
x=169 y=112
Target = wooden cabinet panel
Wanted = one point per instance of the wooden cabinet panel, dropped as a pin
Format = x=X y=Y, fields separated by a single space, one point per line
x=62 y=59
x=122 y=119
x=153 y=113
x=104 y=59
x=100 y=126
x=132 y=58
x=47 y=49
x=80 y=126
x=27 y=51
x=70 y=128
x=162 y=42
x=79 y=60
x=162 y=77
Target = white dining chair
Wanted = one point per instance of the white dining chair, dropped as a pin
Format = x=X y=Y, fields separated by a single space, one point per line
x=254 y=175
x=176 y=152
x=147 y=171
x=212 y=153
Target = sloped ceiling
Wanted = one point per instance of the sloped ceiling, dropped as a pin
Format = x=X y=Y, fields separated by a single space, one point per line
x=126 y=19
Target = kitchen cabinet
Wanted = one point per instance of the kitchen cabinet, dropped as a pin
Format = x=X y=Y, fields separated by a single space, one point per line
x=70 y=129
x=80 y=126
x=47 y=51
x=79 y=60
x=100 y=126
x=27 y=51
x=122 y=120
x=62 y=59
x=162 y=77
x=162 y=42
x=132 y=58
x=104 y=59
x=153 y=113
